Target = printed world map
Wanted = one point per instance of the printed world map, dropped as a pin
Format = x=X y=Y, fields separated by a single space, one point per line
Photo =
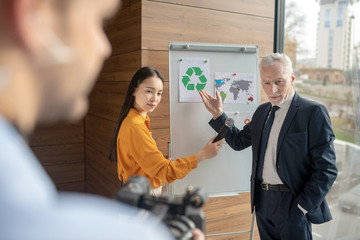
x=236 y=87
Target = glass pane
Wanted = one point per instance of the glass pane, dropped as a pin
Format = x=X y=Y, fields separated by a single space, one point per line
x=323 y=40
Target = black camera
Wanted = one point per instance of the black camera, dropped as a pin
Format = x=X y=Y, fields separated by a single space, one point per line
x=182 y=214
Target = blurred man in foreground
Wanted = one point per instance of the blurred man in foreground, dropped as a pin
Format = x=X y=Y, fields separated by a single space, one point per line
x=51 y=52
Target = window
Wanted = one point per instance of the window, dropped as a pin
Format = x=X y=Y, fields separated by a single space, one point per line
x=331 y=54
x=339 y=21
x=327 y=17
x=330 y=47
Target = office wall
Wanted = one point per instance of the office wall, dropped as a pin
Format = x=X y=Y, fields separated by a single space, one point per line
x=60 y=149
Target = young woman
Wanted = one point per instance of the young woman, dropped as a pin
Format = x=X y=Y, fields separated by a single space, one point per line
x=133 y=146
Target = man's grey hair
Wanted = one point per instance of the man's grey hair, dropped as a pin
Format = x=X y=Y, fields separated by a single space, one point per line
x=276 y=57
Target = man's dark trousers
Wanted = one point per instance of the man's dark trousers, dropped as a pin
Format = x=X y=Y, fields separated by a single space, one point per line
x=278 y=216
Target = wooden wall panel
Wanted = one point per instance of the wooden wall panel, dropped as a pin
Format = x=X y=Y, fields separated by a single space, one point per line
x=162 y=139
x=242 y=204
x=98 y=133
x=60 y=154
x=158 y=60
x=124 y=29
x=102 y=165
x=242 y=236
x=101 y=176
x=233 y=216
x=66 y=173
x=121 y=67
x=256 y=7
x=229 y=214
x=71 y=186
x=64 y=164
x=96 y=184
x=58 y=134
x=163 y=23
x=106 y=99
x=60 y=149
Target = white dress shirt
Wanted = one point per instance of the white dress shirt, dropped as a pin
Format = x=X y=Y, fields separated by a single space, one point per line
x=270 y=174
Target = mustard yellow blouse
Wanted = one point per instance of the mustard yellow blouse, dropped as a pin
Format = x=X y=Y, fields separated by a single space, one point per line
x=137 y=154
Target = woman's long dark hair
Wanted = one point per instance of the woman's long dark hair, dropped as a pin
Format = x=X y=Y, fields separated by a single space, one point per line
x=137 y=79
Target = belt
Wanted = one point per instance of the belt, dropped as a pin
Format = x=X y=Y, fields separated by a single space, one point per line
x=277 y=187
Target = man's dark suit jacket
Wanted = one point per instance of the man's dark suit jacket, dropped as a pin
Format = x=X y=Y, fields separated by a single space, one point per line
x=305 y=152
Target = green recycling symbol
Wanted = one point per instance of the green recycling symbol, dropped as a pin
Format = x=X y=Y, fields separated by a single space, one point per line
x=187 y=81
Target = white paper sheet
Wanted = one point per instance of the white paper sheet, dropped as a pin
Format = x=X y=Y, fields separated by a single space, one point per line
x=194 y=74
